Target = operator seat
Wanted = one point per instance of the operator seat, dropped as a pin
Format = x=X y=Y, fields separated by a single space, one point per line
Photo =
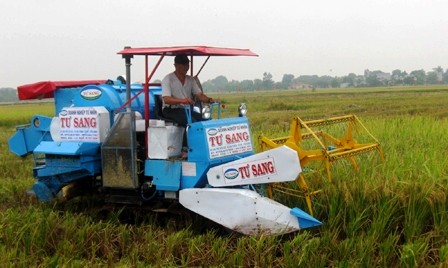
x=158 y=103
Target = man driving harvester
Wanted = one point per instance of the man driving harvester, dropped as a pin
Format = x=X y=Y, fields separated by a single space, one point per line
x=180 y=89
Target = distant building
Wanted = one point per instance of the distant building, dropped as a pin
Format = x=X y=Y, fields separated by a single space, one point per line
x=299 y=85
x=380 y=75
x=439 y=76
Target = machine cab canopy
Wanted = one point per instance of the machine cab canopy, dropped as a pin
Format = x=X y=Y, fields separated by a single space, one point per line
x=189 y=50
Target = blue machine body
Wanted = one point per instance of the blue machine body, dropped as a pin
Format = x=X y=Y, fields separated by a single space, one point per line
x=60 y=163
x=28 y=136
x=169 y=176
x=64 y=162
x=110 y=96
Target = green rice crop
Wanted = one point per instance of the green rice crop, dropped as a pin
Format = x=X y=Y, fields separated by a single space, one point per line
x=20 y=113
x=388 y=214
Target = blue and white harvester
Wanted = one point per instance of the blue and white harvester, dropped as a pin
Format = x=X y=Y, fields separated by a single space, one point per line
x=110 y=136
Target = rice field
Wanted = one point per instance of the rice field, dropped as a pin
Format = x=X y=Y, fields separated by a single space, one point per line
x=388 y=214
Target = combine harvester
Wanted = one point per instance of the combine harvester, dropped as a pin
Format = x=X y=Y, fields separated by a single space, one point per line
x=110 y=137
x=324 y=142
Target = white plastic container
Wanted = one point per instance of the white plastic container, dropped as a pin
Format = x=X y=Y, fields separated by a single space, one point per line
x=164 y=141
x=156 y=123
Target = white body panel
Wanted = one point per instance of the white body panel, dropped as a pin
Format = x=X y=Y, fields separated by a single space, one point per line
x=241 y=210
x=228 y=140
x=83 y=124
x=276 y=165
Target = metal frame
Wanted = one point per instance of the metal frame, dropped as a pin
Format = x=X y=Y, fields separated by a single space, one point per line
x=128 y=53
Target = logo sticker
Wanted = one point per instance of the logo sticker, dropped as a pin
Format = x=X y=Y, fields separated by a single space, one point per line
x=91 y=94
x=212 y=131
x=231 y=173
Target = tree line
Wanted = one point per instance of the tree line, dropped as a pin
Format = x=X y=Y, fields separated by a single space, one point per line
x=375 y=78
x=8 y=95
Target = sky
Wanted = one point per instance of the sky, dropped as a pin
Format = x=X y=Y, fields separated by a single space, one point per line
x=56 y=40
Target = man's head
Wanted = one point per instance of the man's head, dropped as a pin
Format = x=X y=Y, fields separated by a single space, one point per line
x=181 y=59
